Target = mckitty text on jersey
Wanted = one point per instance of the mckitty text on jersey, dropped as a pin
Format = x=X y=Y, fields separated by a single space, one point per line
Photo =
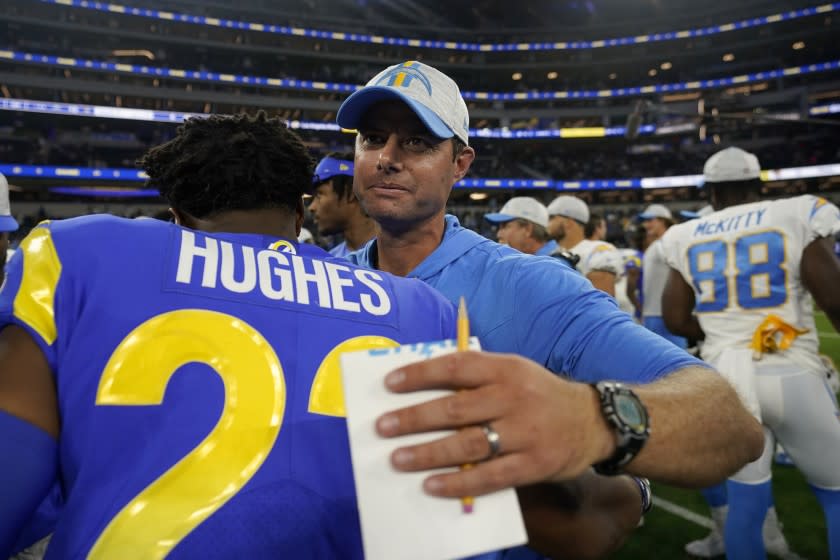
x=751 y=218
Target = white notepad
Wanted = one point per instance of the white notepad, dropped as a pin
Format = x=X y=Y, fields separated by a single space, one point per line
x=398 y=519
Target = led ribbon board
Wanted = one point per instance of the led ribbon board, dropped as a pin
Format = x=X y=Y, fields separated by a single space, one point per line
x=311 y=85
x=449 y=45
x=132 y=175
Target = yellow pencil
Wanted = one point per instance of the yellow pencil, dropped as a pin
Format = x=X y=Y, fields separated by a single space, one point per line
x=463 y=345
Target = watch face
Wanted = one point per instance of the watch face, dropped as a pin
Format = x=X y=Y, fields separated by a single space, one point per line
x=630 y=413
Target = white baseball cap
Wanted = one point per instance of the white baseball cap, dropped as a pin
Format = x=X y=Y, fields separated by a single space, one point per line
x=7 y=222
x=656 y=211
x=570 y=207
x=523 y=207
x=731 y=164
x=430 y=93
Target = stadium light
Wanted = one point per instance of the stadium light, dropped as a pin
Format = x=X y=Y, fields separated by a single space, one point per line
x=665 y=66
x=728 y=57
x=145 y=53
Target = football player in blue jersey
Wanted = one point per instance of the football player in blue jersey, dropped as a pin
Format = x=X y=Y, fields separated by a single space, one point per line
x=179 y=380
x=335 y=207
x=412 y=147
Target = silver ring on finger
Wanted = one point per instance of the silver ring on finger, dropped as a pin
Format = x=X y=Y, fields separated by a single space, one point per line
x=493 y=440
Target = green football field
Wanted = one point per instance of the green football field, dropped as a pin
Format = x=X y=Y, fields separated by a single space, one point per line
x=664 y=534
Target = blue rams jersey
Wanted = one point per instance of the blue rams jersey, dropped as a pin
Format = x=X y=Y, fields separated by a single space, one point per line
x=198 y=384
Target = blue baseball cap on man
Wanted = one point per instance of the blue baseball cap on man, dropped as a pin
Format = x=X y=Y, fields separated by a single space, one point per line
x=7 y=221
x=433 y=96
x=329 y=167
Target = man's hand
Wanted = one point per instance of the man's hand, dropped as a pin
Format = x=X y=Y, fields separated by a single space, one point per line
x=550 y=429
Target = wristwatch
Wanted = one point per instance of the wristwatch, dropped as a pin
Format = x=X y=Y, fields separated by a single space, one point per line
x=623 y=410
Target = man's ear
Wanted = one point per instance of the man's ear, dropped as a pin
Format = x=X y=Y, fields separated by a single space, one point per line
x=463 y=162
x=184 y=218
x=178 y=217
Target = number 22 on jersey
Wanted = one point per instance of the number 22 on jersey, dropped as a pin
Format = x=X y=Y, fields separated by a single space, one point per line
x=158 y=518
x=760 y=278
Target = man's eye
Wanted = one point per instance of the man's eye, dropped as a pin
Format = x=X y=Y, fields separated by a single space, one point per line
x=371 y=138
x=416 y=142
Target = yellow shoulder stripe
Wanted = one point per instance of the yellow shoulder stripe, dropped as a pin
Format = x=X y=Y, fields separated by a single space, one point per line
x=35 y=300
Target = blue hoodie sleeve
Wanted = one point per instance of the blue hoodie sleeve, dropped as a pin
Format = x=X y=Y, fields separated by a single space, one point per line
x=578 y=331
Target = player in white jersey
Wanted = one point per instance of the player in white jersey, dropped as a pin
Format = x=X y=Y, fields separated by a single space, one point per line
x=741 y=277
x=7 y=224
x=631 y=260
x=599 y=261
x=656 y=220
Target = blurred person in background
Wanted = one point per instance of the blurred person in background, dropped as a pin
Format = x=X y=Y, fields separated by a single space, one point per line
x=522 y=224
x=628 y=279
x=599 y=261
x=638 y=241
x=412 y=147
x=656 y=219
x=8 y=224
x=742 y=279
x=305 y=236
x=334 y=206
x=596 y=228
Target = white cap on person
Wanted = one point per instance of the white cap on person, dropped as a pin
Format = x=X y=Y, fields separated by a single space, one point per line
x=569 y=207
x=656 y=211
x=431 y=94
x=7 y=221
x=731 y=164
x=520 y=207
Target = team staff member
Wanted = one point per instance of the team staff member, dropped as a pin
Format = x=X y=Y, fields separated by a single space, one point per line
x=335 y=208
x=656 y=219
x=412 y=147
x=599 y=261
x=522 y=223
x=183 y=359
